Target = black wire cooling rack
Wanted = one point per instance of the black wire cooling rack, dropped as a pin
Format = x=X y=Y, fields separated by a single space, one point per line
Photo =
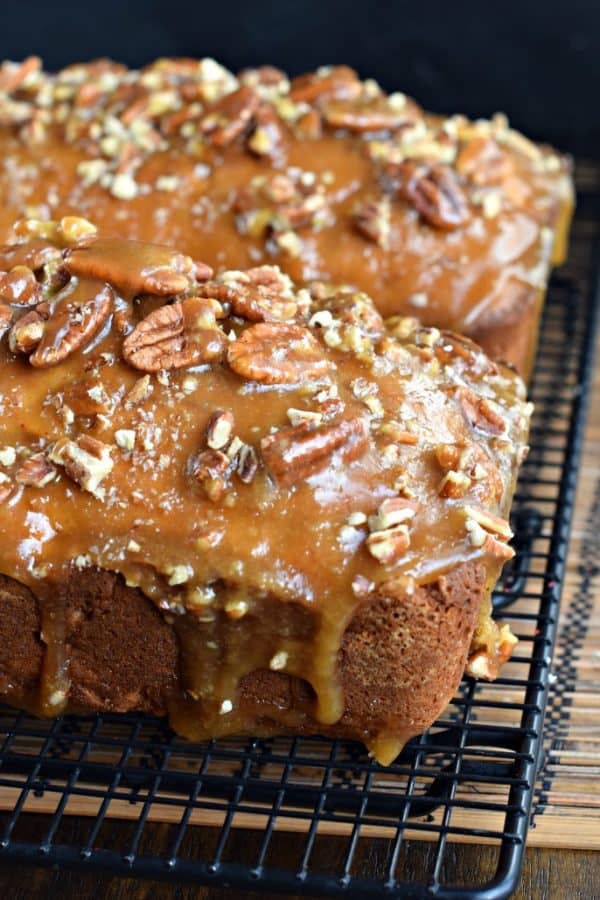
x=470 y=777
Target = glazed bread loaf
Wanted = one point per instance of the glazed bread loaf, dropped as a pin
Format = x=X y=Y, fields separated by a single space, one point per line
x=328 y=177
x=255 y=507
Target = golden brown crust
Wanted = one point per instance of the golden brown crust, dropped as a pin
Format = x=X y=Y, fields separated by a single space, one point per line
x=400 y=661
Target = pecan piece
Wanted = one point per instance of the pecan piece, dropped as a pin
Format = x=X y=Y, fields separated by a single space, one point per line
x=479 y=412
x=77 y=315
x=227 y=118
x=136 y=267
x=20 y=286
x=14 y=75
x=87 y=397
x=372 y=219
x=34 y=253
x=277 y=354
x=389 y=545
x=268 y=137
x=377 y=114
x=357 y=309
x=433 y=190
x=255 y=297
x=35 y=471
x=294 y=453
x=211 y=469
x=335 y=81
x=27 y=332
x=219 y=429
x=176 y=336
x=85 y=460
x=6 y=317
x=483 y=162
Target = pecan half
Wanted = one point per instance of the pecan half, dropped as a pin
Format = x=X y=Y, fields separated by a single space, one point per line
x=35 y=471
x=256 y=298
x=277 y=354
x=85 y=460
x=433 y=190
x=77 y=314
x=136 y=267
x=227 y=118
x=176 y=336
x=335 y=81
x=294 y=453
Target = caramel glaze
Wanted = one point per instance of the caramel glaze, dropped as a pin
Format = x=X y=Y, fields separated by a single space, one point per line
x=257 y=484
x=174 y=159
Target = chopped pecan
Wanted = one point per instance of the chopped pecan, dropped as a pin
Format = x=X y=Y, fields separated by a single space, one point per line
x=454 y=484
x=176 y=336
x=486 y=662
x=77 y=315
x=489 y=521
x=268 y=137
x=337 y=81
x=277 y=354
x=309 y=127
x=294 y=453
x=85 y=460
x=140 y=391
x=227 y=118
x=247 y=463
x=433 y=190
x=376 y=114
x=219 y=429
x=372 y=219
x=27 y=332
x=20 y=286
x=390 y=544
x=136 y=267
x=87 y=397
x=263 y=76
x=6 y=317
x=211 y=469
x=34 y=253
x=357 y=309
x=479 y=412
x=35 y=471
x=393 y=511
x=14 y=75
x=482 y=161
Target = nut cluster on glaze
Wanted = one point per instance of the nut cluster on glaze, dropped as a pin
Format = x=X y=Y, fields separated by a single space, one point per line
x=66 y=291
x=444 y=169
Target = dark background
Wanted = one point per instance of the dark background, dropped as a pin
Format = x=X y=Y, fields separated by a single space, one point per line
x=537 y=61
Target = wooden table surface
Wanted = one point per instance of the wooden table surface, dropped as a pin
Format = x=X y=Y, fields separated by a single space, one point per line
x=547 y=874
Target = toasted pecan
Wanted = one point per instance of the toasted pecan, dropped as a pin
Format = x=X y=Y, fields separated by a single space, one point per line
x=176 y=336
x=277 y=354
x=294 y=453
